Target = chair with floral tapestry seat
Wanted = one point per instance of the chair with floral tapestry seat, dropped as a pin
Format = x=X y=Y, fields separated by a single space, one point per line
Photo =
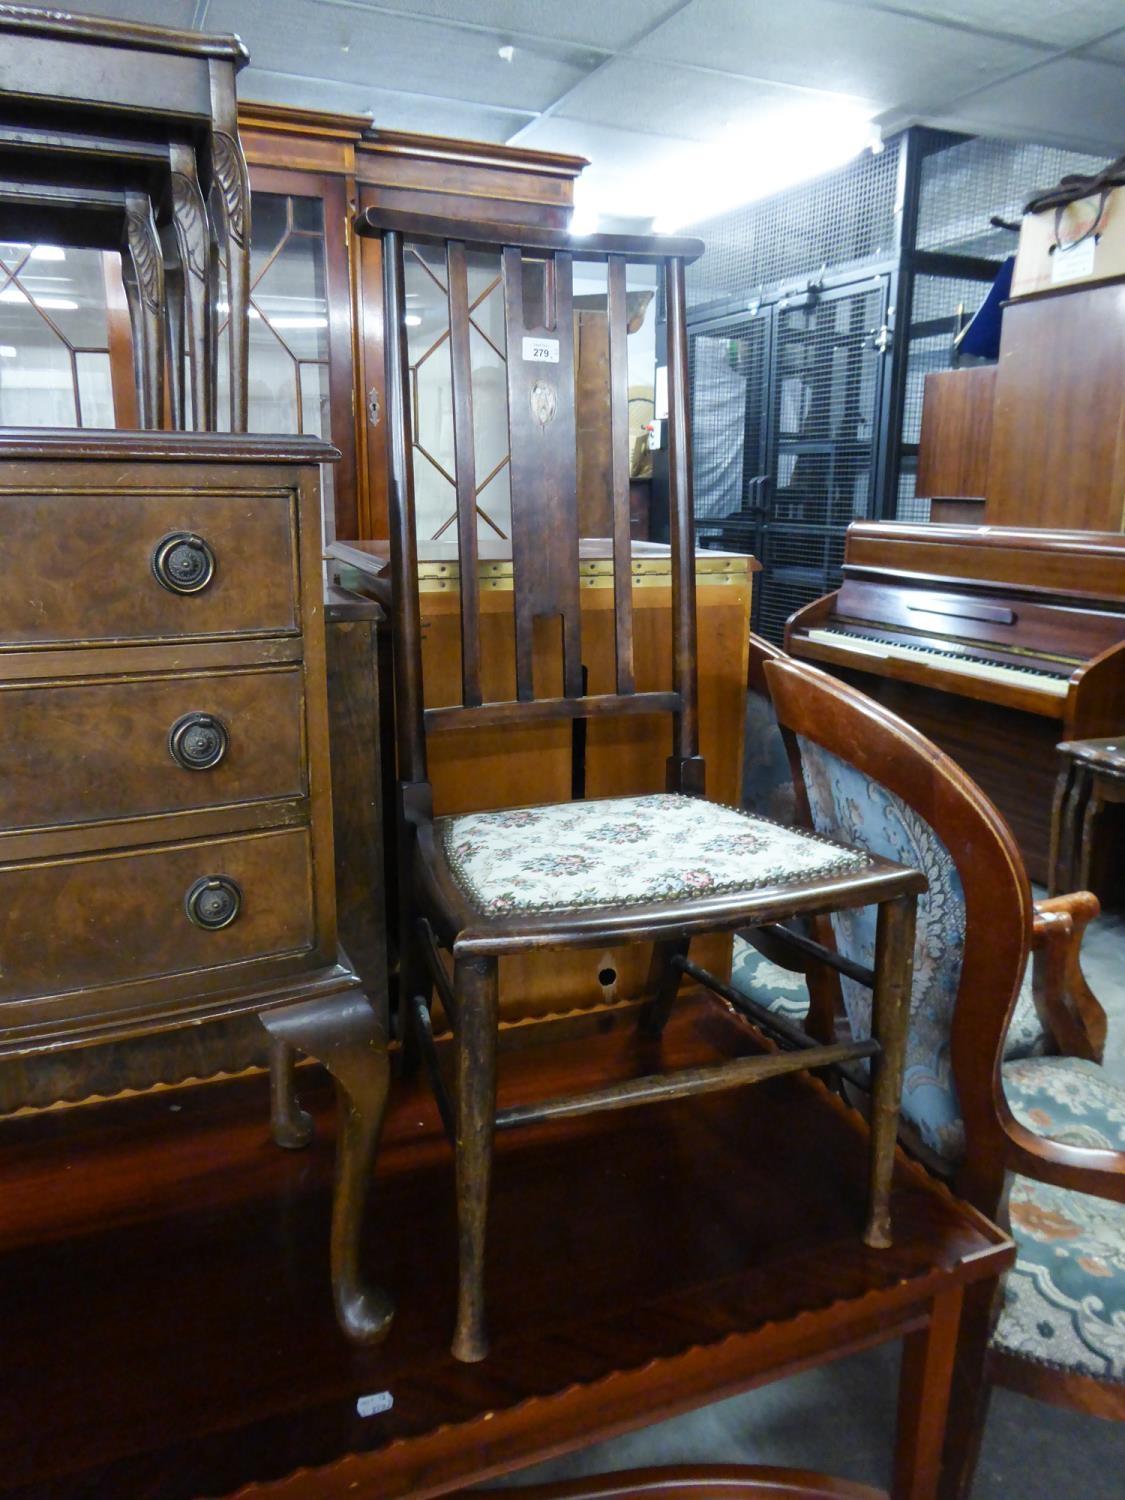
x=657 y=868
x=1002 y=1089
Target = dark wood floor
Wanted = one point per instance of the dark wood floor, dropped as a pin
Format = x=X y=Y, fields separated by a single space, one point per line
x=164 y=1299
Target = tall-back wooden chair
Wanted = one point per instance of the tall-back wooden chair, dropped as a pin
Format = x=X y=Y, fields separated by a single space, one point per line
x=653 y=868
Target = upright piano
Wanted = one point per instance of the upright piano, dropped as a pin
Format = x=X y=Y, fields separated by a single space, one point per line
x=996 y=642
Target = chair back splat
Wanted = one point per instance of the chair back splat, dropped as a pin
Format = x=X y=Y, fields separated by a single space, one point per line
x=536 y=276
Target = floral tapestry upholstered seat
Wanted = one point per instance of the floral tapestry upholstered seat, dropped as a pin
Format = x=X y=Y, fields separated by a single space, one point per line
x=625 y=850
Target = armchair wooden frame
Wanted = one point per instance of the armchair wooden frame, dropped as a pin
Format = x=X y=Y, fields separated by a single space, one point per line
x=536 y=270
x=1004 y=928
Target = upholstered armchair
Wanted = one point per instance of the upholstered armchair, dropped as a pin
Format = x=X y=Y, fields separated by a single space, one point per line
x=1003 y=1094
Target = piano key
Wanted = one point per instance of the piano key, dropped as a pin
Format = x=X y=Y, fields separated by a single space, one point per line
x=1036 y=680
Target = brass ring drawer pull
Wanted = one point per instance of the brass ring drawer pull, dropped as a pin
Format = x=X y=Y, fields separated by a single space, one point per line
x=213 y=902
x=198 y=742
x=183 y=563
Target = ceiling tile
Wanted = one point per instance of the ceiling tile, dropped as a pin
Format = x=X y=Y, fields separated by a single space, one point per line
x=830 y=45
x=178 y=14
x=1072 y=100
x=393 y=111
x=1112 y=48
x=589 y=23
x=667 y=100
x=1055 y=24
x=337 y=43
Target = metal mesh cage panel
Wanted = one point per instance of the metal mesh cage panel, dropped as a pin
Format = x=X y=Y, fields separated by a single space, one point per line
x=729 y=368
x=799 y=564
x=933 y=322
x=962 y=186
x=908 y=507
x=835 y=220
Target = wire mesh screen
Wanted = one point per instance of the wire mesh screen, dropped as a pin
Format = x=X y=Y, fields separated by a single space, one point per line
x=835 y=220
x=939 y=306
x=962 y=186
x=798 y=565
x=729 y=370
x=908 y=505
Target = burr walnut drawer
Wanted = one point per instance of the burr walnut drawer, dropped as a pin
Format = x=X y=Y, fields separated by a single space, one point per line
x=84 y=752
x=139 y=567
x=77 y=924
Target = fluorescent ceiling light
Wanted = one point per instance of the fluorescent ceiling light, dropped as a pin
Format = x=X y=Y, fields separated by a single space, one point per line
x=753 y=161
x=48 y=252
x=8 y=351
x=412 y=320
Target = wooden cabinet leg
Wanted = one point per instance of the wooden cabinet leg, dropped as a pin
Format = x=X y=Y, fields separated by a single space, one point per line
x=970 y=1392
x=890 y=1015
x=1093 y=812
x=476 y=984
x=923 y=1400
x=291 y=1125
x=346 y=1035
x=1058 y=860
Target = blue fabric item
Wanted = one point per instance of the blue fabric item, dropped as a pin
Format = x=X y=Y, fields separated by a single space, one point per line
x=982 y=337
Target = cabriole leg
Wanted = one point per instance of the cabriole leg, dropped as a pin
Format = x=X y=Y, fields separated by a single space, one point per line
x=476 y=985
x=291 y=1125
x=346 y=1035
x=890 y=1016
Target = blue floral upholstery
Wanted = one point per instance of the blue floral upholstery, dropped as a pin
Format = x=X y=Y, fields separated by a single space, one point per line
x=1064 y=1299
x=847 y=805
x=1067 y=1099
x=624 y=850
x=784 y=991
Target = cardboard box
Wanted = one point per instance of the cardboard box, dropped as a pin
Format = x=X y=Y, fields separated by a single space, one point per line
x=1083 y=241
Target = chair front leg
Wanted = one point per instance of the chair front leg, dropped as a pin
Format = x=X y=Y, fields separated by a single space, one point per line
x=476 y=984
x=890 y=1015
x=349 y=1038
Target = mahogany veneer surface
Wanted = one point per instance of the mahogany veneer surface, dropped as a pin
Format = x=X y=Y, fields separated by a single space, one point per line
x=168 y=1330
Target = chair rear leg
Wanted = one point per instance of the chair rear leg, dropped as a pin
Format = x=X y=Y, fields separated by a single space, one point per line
x=663 y=986
x=476 y=985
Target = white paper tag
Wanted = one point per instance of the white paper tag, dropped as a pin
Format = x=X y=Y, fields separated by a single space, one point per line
x=371 y=1406
x=1075 y=262
x=541 y=351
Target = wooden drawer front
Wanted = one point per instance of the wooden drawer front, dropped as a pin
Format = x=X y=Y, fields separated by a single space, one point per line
x=84 y=923
x=80 y=567
x=88 y=752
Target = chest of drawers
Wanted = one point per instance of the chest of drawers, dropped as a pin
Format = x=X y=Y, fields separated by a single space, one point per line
x=166 y=852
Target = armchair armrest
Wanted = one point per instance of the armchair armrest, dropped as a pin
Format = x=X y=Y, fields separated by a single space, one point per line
x=1100 y=1173
x=1067 y=1007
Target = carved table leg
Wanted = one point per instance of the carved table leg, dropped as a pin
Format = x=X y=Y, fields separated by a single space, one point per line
x=346 y=1035
x=923 y=1399
x=291 y=1125
x=189 y=217
x=233 y=194
x=890 y=1015
x=142 y=265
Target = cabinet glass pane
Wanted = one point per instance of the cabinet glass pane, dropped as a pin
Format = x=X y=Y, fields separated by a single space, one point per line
x=54 y=340
x=288 y=361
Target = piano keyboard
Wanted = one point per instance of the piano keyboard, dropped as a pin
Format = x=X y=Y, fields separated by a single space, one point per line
x=949 y=661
